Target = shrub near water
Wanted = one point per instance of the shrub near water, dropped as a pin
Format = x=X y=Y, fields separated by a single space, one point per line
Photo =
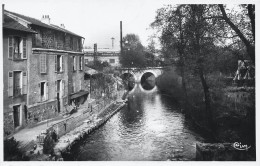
x=170 y=83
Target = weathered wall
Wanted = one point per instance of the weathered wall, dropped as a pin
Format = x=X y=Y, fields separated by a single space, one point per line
x=41 y=110
x=76 y=77
x=52 y=39
x=8 y=66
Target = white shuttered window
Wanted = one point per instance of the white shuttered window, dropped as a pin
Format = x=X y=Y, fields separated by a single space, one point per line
x=43 y=67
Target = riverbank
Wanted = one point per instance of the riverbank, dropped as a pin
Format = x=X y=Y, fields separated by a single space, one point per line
x=232 y=108
x=69 y=139
x=89 y=126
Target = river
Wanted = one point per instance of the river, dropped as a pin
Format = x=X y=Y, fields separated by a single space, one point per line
x=149 y=127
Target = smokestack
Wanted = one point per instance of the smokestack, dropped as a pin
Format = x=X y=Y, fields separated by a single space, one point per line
x=46 y=19
x=121 y=38
x=112 y=42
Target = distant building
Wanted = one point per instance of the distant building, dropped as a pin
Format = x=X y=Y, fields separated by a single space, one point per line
x=104 y=55
x=53 y=67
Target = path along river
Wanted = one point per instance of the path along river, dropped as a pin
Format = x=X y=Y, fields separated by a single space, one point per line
x=149 y=127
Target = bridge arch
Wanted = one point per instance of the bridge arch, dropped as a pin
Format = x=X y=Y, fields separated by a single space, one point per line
x=147 y=71
x=130 y=72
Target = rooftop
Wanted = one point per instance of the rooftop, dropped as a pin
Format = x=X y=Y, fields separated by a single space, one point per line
x=10 y=23
x=39 y=23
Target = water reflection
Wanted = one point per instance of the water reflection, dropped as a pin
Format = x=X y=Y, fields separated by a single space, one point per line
x=150 y=127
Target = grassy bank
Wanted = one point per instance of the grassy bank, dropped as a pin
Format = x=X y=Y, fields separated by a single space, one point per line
x=233 y=109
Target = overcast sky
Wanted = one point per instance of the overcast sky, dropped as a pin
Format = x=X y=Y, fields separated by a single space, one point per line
x=99 y=20
x=96 y=20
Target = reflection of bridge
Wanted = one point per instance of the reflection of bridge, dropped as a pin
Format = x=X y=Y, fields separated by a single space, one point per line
x=138 y=73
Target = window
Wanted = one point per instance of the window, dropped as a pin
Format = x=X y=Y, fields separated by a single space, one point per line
x=80 y=63
x=16 y=115
x=43 y=67
x=17 y=83
x=74 y=63
x=60 y=88
x=59 y=63
x=43 y=91
x=111 y=60
x=17 y=48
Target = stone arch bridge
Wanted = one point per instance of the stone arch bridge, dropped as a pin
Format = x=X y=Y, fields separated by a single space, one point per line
x=138 y=73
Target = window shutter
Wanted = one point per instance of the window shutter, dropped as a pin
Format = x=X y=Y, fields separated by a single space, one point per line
x=24 y=48
x=63 y=87
x=62 y=61
x=21 y=47
x=47 y=90
x=74 y=88
x=55 y=61
x=79 y=84
x=10 y=84
x=39 y=96
x=82 y=59
x=56 y=86
x=43 y=63
x=24 y=82
x=10 y=47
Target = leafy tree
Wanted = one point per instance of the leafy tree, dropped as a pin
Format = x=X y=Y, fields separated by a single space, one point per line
x=172 y=20
x=133 y=52
x=243 y=24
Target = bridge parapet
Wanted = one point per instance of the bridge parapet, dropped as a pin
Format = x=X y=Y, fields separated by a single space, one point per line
x=139 y=72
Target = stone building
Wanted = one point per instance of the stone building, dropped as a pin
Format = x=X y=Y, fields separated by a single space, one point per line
x=17 y=46
x=55 y=69
x=104 y=55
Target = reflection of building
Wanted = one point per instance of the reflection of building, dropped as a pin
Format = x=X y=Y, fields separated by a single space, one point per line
x=103 y=55
x=52 y=65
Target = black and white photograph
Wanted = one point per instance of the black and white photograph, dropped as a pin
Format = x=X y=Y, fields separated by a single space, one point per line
x=128 y=80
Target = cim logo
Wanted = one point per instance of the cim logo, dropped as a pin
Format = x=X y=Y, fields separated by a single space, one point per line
x=239 y=146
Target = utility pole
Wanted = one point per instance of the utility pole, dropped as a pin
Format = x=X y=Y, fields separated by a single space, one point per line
x=112 y=42
x=95 y=52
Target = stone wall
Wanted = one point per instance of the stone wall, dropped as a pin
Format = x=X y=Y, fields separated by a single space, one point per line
x=8 y=124
x=42 y=112
x=68 y=125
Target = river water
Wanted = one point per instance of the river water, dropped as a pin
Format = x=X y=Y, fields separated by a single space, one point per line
x=149 y=127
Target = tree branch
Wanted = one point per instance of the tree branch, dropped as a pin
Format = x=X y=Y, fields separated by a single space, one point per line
x=250 y=48
x=232 y=25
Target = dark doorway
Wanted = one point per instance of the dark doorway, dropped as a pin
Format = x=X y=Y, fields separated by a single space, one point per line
x=25 y=114
x=58 y=102
x=16 y=116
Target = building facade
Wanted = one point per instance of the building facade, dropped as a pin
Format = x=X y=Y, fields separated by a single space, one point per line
x=17 y=46
x=55 y=70
x=103 y=55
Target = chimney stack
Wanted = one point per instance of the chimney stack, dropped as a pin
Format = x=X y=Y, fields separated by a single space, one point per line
x=62 y=26
x=46 y=19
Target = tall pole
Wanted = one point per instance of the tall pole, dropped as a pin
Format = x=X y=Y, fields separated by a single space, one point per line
x=121 y=38
x=112 y=42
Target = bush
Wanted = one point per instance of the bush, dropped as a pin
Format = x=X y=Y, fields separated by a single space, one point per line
x=12 y=152
x=48 y=144
x=170 y=82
